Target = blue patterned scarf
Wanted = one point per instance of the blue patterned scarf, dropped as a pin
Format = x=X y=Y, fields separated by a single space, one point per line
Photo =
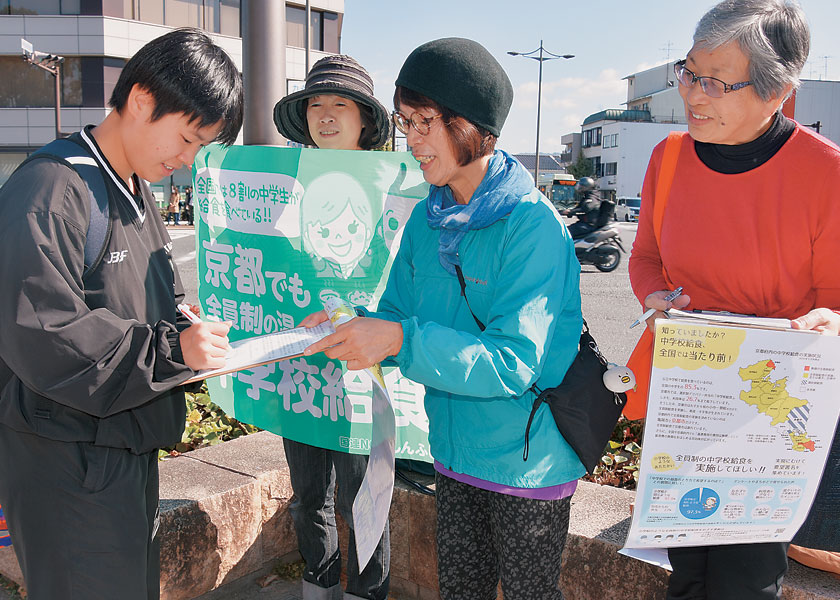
x=503 y=186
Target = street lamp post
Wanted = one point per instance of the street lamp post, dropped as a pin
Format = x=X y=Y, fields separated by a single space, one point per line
x=51 y=63
x=541 y=58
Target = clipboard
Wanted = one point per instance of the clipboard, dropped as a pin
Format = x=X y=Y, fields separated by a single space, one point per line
x=728 y=318
x=265 y=349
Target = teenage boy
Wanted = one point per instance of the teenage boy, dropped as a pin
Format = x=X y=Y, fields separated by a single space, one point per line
x=92 y=356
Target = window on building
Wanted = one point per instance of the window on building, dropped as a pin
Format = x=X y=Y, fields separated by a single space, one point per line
x=34 y=7
x=332 y=27
x=597 y=166
x=111 y=69
x=183 y=13
x=586 y=138
x=150 y=11
x=316 y=30
x=596 y=136
x=610 y=141
x=27 y=86
x=295 y=26
x=211 y=15
x=122 y=9
x=324 y=27
x=229 y=20
x=610 y=168
x=39 y=7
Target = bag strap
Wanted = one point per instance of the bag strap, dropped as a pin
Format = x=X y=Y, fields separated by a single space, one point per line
x=673 y=144
x=77 y=158
x=463 y=283
x=586 y=340
x=664 y=180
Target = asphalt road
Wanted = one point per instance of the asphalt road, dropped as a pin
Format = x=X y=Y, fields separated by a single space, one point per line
x=608 y=304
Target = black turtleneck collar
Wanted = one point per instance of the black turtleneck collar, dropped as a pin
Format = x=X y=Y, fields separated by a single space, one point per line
x=745 y=157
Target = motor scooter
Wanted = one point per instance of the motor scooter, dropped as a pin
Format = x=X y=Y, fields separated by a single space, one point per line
x=600 y=248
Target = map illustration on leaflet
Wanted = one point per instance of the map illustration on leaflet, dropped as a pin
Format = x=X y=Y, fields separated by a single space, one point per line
x=770 y=397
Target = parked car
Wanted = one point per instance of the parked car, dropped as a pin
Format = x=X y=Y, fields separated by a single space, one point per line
x=627 y=209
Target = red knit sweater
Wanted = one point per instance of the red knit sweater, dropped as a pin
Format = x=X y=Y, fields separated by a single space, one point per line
x=764 y=242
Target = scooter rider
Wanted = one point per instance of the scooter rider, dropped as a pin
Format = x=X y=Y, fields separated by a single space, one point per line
x=587 y=210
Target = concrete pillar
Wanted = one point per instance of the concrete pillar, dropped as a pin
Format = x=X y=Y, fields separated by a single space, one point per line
x=263 y=68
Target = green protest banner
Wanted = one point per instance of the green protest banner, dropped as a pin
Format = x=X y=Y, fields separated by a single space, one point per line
x=279 y=231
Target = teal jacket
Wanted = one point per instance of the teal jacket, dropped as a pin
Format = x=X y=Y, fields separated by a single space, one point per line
x=523 y=283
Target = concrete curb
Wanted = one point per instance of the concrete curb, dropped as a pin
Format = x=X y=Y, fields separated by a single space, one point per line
x=224 y=515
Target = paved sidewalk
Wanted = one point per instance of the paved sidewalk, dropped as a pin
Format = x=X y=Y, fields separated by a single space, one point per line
x=249 y=588
x=182 y=225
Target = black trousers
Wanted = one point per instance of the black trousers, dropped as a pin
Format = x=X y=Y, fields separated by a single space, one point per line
x=731 y=572
x=314 y=473
x=82 y=518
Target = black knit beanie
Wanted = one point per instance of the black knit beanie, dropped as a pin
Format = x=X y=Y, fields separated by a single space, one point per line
x=464 y=77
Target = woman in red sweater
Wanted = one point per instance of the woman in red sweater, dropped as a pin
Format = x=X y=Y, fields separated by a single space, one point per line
x=752 y=225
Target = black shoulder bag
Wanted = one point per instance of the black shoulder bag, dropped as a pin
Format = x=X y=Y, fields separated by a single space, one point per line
x=584 y=410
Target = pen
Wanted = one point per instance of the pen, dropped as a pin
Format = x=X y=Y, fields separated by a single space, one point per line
x=647 y=314
x=185 y=310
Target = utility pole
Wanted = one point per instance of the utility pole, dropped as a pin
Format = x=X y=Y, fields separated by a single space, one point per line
x=263 y=69
x=51 y=63
x=541 y=59
x=308 y=35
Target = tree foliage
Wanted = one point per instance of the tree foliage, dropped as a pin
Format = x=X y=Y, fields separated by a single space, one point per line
x=582 y=167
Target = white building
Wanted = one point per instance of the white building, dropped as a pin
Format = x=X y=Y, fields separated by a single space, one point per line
x=655 y=90
x=97 y=37
x=817 y=101
x=571 y=148
x=619 y=143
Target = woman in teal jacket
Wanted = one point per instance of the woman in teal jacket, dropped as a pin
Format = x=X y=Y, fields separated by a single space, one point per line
x=516 y=324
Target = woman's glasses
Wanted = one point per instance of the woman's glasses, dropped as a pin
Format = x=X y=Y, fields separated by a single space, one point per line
x=711 y=86
x=421 y=124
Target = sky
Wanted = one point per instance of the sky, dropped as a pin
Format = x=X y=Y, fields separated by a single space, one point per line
x=609 y=38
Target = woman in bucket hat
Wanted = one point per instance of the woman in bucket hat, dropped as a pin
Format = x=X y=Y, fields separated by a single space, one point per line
x=335 y=110
x=478 y=345
x=305 y=116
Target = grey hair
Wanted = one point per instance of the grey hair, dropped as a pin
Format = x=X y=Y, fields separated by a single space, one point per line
x=773 y=34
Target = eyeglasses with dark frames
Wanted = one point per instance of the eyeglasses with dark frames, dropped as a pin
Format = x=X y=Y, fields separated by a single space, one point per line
x=711 y=86
x=421 y=124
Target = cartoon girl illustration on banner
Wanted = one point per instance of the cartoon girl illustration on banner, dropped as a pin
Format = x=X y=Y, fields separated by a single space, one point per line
x=337 y=225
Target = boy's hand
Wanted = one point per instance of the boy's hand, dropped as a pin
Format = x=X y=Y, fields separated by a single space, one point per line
x=205 y=345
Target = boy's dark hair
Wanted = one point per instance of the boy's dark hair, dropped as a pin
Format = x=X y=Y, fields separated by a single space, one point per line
x=185 y=72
